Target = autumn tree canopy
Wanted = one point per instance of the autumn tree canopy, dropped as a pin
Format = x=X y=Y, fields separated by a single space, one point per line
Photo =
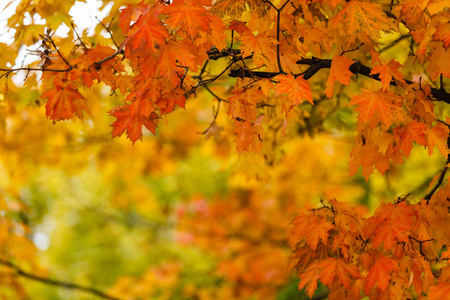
x=225 y=149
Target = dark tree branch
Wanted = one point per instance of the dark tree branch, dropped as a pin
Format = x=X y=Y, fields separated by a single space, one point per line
x=67 y=285
x=98 y=64
x=420 y=245
x=316 y=64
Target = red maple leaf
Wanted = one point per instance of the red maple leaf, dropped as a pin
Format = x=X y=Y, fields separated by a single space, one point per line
x=131 y=121
x=147 y=31
x=168 y=101
x=130 y=14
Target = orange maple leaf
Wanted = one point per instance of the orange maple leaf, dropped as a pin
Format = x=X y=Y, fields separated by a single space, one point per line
x=239 y=27
x=421 y=106
x=422 y=37
x=311 y=229
x=373 y=107
x=185 y=16
x=391 y=223
x=248 y=136
x=380 y=274
x=440 y=291
x=296 y=89
x=389 y=234
x=308 y=279
x=327 y=271
x=443 y=33
x=414 y=131
x=439 y=62
x=242 y=104
x=175 y=53
x=437 y=136
x=339 y=268
x=64 y=102
x=359 y=17
x=261 y=46
x=387 y=72
x=340 y=72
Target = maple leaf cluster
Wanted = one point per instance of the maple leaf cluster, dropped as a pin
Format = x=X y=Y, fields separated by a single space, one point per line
x=397 y=253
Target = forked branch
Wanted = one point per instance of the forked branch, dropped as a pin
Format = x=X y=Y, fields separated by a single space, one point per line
x=280 y=68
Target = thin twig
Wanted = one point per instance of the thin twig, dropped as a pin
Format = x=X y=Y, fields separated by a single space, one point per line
x=35 y=69
x=78 y=37
x=49 y=38
x=350 y=50
x=401 y=38
x=441 y=177
x=216 y=114
x=98 y=64
x=202 y=82
x=420 y=245
x=67 y=285
x=109 y=31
